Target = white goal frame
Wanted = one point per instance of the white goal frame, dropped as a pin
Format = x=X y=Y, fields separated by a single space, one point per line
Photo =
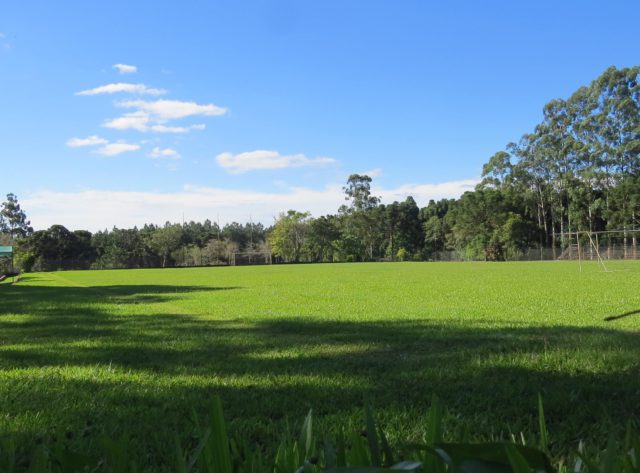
x=593 y=245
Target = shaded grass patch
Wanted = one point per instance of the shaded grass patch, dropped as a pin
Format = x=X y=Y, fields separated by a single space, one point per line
x=141 y=349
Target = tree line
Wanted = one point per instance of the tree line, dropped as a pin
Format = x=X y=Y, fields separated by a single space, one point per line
x=578 y=170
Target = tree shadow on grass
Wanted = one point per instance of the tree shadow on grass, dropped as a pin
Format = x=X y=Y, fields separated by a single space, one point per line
x=71 y=313
x=20 y=298
x=611 y=318
x=147 y=372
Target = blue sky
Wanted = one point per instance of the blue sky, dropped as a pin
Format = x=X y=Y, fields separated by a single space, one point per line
x=121 y=113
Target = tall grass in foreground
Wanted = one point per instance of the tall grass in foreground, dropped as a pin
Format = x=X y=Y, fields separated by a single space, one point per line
x=365 y=451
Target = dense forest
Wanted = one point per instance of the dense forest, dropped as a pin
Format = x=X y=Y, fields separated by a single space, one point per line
x=577 y=171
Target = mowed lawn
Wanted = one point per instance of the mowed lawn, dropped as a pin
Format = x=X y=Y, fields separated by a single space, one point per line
x=140 y=350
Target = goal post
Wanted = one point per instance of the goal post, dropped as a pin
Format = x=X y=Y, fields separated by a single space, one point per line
x=600 y=246
x=247 y=258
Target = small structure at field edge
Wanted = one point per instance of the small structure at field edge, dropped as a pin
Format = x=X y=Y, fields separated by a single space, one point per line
x=6 y=262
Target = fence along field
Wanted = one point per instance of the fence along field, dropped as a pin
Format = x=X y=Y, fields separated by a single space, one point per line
x=138 y=350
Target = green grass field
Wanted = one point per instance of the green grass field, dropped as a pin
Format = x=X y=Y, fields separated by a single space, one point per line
x=139 y=350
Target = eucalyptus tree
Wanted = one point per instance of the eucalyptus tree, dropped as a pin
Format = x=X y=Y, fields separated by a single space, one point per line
x=13 y=219
x=533 y=177
x=617 y=92
x=361 y=220
x=588 y=191
x=571 y=175
x=358 y=192
x=497 y=172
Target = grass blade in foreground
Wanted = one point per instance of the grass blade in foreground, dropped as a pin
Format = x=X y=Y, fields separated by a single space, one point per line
x=544 y=435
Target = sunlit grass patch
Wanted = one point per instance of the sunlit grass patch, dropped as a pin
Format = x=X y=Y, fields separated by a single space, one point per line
x=140 y=349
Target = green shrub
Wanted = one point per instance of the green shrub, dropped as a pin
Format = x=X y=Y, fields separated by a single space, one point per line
x=24 y=260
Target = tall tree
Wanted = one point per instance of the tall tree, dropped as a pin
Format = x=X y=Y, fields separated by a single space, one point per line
x=13 y=220
x=358 y=191
x=497 y=172
x=361 y=221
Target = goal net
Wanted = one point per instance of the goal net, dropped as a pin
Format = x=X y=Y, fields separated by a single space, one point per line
x=602 y=246
x=245 y=258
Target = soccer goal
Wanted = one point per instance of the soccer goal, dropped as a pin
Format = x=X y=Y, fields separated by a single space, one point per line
x=601 y=246
x=247 y=258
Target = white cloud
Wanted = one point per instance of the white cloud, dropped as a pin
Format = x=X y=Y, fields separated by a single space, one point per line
x=125 y=68
x=122 y=87
x=109 y=149
x=158 y=152
x=92 y=140
x=113 y=149
x=375 y=172
x=266 y=159
x=99 y=209
x=175 y=129
x=164 y=110
x=134 y=120
x=142 y=121
x=422 y=193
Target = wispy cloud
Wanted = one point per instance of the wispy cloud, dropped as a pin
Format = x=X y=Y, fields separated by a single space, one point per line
x=266 y=159
x=164 y=110
x=158 y=152
x=125 y=68
x=143 y=121
x=108 y=149
x=176 y=129
x=375 y=172
x=98 y=209
x=422 y=193
x=135 y=121
x=92 y=140
x=148 y=115
x=4 y=44
x=154 y=115
x=113 y=149
x=125 y=87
